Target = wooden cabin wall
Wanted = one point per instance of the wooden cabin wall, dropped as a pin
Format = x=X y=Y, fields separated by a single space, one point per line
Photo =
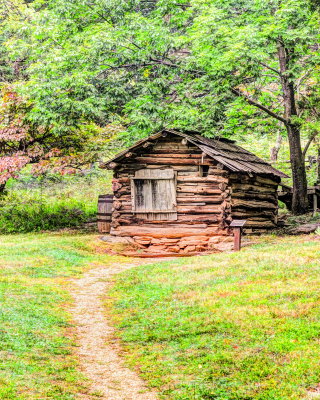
x=256 y=200
x=203 y=202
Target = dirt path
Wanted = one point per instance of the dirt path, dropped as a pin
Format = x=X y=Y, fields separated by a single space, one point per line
x=98 y=352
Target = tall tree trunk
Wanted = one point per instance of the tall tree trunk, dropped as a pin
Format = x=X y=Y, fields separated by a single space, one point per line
x=300 y=204
x=299 y=176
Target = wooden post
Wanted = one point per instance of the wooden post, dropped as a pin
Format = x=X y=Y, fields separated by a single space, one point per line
x=237 y=239
x=315 y=204
x=237 y=225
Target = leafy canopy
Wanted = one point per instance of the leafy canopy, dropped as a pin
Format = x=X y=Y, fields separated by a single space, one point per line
x=167 y=63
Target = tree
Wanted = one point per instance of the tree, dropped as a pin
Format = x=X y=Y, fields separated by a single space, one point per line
x=27 y=137
x=265 y=53
x=154 y=64
x=23 y=142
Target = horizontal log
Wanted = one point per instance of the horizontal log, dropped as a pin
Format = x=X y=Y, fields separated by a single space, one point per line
x=129 y=169
x=172 y=161
x=194 y=218
x=189 y=203
x=260 y=224
x=197 y=190
x=202 y=179
x=202 y=199
x=169 y=146
x=188 y=173
x=176 y=224
x=119 y=194
x=168 y=232
x=252 y=204
x=272 y=197
x=209 y=209
x=208 y=185
x=256 y=179
x=252 y=188
x=123 y=197
x=252 y=213
x=171 y=151
x=123 y=180
x=268 y=181
x=187 y=220
x=261 y=218
x=172 y=154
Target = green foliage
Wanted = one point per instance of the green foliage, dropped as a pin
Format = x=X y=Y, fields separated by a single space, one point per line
x=155 y=64
x=55 y=202
x=226 y=327
x=29 y=215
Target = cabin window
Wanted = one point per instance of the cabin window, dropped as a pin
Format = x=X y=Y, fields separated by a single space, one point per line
x=204 y=170
x=154 y=194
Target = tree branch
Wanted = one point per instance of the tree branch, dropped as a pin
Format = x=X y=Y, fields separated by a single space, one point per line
x=268 y=67
x=304 y=152
x=260 y=106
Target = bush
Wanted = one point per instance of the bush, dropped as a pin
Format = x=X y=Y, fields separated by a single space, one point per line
x=28 y=214
x=53 y=203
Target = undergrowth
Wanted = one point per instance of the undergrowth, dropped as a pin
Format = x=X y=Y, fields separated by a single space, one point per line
x=50 y=203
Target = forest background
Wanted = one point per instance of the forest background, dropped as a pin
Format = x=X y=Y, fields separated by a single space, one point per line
x=82 y=79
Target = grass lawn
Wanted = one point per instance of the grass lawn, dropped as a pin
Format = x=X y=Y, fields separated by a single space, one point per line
x=235 y=326
x=36 y=337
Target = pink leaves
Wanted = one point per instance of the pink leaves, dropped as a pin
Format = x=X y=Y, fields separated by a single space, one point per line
x=11 y=165
x=12 y=133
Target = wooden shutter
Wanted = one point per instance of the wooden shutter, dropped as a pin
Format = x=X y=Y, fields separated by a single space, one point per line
x=154 y=194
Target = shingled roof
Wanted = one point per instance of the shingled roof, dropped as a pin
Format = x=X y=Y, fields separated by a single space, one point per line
x=225 y=151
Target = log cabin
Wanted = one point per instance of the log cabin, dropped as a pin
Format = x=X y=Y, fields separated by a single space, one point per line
x=177 y=192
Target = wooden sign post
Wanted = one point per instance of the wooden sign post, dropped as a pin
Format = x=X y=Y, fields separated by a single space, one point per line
x=237 y=225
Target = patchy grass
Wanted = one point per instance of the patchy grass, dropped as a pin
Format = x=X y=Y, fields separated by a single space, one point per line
x=238 y=326
x=36 y=336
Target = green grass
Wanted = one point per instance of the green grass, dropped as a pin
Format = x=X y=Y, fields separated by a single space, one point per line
x=37 y=360
x=238 y=326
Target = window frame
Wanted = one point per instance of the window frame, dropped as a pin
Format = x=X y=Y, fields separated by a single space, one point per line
x=155 y=175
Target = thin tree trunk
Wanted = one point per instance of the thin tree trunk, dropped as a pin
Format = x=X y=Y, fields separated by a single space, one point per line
x=2 y=188
x=275 y=150
x=299 y=176
x=318 y=167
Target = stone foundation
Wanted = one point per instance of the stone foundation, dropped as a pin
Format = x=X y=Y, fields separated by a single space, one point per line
x=185 y=245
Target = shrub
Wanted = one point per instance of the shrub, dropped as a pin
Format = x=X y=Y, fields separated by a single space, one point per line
x=30 y=214
x=33 y=204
